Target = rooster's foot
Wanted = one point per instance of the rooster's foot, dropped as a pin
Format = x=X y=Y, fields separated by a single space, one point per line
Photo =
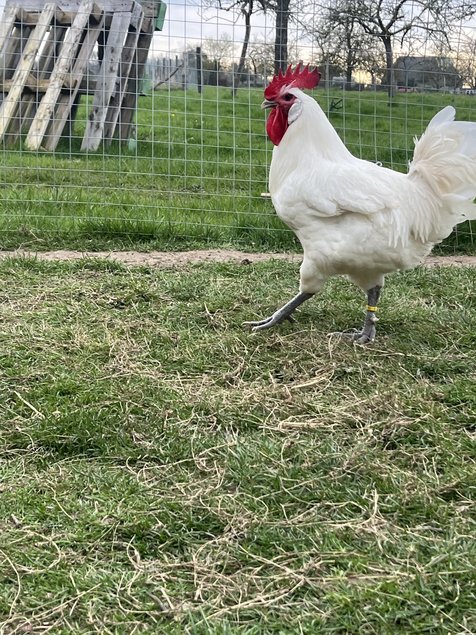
x=364 y=336
x=268 y=322
x=284 y=313
x=367 y=334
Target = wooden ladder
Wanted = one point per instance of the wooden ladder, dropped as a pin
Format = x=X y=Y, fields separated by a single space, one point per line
x=45 y=55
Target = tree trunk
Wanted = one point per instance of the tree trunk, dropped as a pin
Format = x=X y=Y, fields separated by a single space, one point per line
x=244 y=49
x=348 y=78
x=349 y=58
x=390 y=71
x=281 y=42
x=349 y=67
x=198 y=53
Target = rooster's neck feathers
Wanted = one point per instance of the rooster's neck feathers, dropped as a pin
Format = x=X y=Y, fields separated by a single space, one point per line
x=305 y=130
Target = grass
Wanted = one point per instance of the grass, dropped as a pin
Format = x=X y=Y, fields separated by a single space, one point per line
x=164 y=470
x=196 y=175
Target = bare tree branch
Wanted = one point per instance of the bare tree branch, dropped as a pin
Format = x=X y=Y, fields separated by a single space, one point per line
x=164 y=81
x=388 y=22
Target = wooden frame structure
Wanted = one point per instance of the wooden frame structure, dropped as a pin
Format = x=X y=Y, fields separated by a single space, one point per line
x=45 y=55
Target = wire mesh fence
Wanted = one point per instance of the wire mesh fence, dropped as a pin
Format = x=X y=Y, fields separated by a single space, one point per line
x=132 y=123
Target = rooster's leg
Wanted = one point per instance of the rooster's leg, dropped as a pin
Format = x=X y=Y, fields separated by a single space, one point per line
x=284 y=313
x=367 y=334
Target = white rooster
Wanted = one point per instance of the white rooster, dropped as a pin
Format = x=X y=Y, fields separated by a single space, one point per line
x=352 y=216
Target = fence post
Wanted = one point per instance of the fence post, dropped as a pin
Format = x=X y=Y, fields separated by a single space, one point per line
x=199 y=69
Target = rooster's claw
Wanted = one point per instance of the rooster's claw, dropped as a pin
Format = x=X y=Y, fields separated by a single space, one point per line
x=269 y=322
x=284 y=313
x=356 y=336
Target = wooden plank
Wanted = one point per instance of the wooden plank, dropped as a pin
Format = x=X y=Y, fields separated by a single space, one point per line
x=46 y=62
x=129 y=101
x=62 y=18
x=150 y=8
x=14 y=48
x=107 y=79
x=6 y=25
x=11 y=101
x=32 y=84
x=148 y=25
x=13 y=54
x=80 y=66
x=128 y=54
x=87 y=85
x=67 y=101
x=63 y=64
x=137 y=16
x=50 y=50
x=71 y=6
x=46 y=59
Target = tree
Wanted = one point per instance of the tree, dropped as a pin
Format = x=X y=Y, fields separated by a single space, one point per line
x=221 y=51
x=466 y=59
x=261 y=56
x=245 y=9
x=282 y=12
x=343 y=43
x=389 y=20
x=372 y=60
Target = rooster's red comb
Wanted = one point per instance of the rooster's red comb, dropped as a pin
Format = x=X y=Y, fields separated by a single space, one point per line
x=296 y=78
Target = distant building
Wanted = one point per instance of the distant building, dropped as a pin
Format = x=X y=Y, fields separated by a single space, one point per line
x=427 y=73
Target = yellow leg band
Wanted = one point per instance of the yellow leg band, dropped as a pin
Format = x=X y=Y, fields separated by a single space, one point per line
x=372 y=309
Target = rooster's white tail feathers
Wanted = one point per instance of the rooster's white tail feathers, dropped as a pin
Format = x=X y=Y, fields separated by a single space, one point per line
x=445 y=157
x=443 y=116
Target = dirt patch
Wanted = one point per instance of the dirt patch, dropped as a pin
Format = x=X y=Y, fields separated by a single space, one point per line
x=455 y=261
x=182 y=258
x=158 y=258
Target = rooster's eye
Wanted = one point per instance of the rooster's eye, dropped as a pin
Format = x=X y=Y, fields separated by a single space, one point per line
x=288 y=97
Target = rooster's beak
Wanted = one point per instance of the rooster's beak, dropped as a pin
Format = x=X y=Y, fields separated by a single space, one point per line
x=268 y=104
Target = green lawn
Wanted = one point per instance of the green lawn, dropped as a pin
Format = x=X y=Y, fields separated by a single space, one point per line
x=196 y=175
x=165 y=471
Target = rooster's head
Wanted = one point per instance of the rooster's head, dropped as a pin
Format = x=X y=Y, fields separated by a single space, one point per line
x=281 y=98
